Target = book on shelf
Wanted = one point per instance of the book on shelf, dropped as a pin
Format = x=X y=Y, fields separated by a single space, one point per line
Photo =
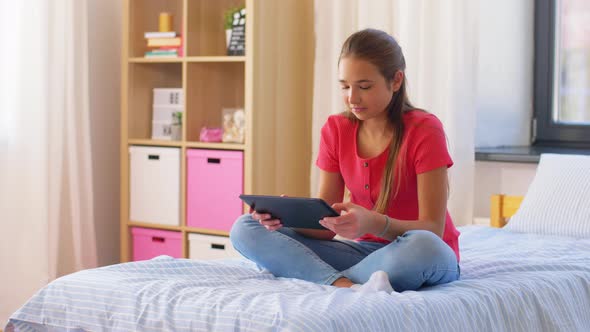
x=157 y=42
x=162 y=53
x=158 y=34
x=163 y=45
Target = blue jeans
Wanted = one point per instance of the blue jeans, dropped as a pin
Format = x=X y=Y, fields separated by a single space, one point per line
x=415 y=259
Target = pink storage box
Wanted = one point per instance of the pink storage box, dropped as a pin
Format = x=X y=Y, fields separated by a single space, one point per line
x=215 y=179
x=149 y=243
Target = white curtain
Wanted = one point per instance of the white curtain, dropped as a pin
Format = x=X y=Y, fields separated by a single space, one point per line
x=46 y=203
x=439 y=41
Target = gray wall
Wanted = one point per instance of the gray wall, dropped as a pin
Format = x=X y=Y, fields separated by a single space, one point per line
x=505 y=76
x=505 y=97
x=104 y=30
x=499 y=178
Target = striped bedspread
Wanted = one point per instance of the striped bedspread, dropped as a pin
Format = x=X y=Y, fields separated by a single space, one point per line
x=510 y=282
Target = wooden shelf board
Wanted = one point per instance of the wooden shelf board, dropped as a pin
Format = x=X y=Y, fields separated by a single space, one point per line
x=220 y=146
x=221 y=58
x=157 y=226
x=206 y=231
x=155 y=60
x=136 y=141
x=201 y=145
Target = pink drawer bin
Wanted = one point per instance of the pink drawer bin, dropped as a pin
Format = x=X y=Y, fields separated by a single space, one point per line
x=149 y=243
x=214 y=182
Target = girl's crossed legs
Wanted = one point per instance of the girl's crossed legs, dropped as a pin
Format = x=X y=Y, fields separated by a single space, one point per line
x=415 y=259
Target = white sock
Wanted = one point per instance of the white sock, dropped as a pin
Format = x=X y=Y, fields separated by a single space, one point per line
x=378 y=282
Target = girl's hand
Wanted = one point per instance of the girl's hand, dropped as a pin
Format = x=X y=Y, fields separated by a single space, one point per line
x=266 y=220
x=354 y=222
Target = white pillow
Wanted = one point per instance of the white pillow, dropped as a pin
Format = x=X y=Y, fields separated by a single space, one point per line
x=558 y=200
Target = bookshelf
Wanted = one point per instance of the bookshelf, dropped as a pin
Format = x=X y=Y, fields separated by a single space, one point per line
x=272 y=82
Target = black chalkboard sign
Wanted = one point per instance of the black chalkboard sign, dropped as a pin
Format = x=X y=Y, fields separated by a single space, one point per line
x=237 y=43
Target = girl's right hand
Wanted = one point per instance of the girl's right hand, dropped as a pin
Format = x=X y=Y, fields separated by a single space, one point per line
x=266 y=220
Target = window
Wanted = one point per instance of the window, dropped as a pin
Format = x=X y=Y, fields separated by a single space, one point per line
x=562 y=73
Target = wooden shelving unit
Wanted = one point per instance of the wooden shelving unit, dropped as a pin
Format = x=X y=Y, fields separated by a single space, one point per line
x=272 y=82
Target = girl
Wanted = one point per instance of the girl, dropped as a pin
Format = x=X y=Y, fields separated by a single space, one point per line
x=393 y=159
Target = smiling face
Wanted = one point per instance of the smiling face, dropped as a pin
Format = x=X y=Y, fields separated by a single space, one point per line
x=365 y=92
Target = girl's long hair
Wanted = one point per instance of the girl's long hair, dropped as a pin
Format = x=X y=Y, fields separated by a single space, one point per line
x=383 y=51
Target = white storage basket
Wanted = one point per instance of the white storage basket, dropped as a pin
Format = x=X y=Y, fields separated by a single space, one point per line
x=154 y=195
x=207 y=247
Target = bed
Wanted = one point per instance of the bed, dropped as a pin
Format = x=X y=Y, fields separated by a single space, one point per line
x=513 y=279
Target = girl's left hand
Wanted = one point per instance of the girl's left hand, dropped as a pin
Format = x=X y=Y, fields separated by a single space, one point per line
x=354 y=222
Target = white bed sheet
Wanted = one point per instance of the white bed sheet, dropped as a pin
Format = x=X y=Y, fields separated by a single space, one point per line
x=509 y=282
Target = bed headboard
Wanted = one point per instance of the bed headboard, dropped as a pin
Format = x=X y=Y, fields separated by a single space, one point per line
x=503 y=207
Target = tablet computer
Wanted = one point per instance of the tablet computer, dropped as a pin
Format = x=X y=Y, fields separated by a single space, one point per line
x=296 y=212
